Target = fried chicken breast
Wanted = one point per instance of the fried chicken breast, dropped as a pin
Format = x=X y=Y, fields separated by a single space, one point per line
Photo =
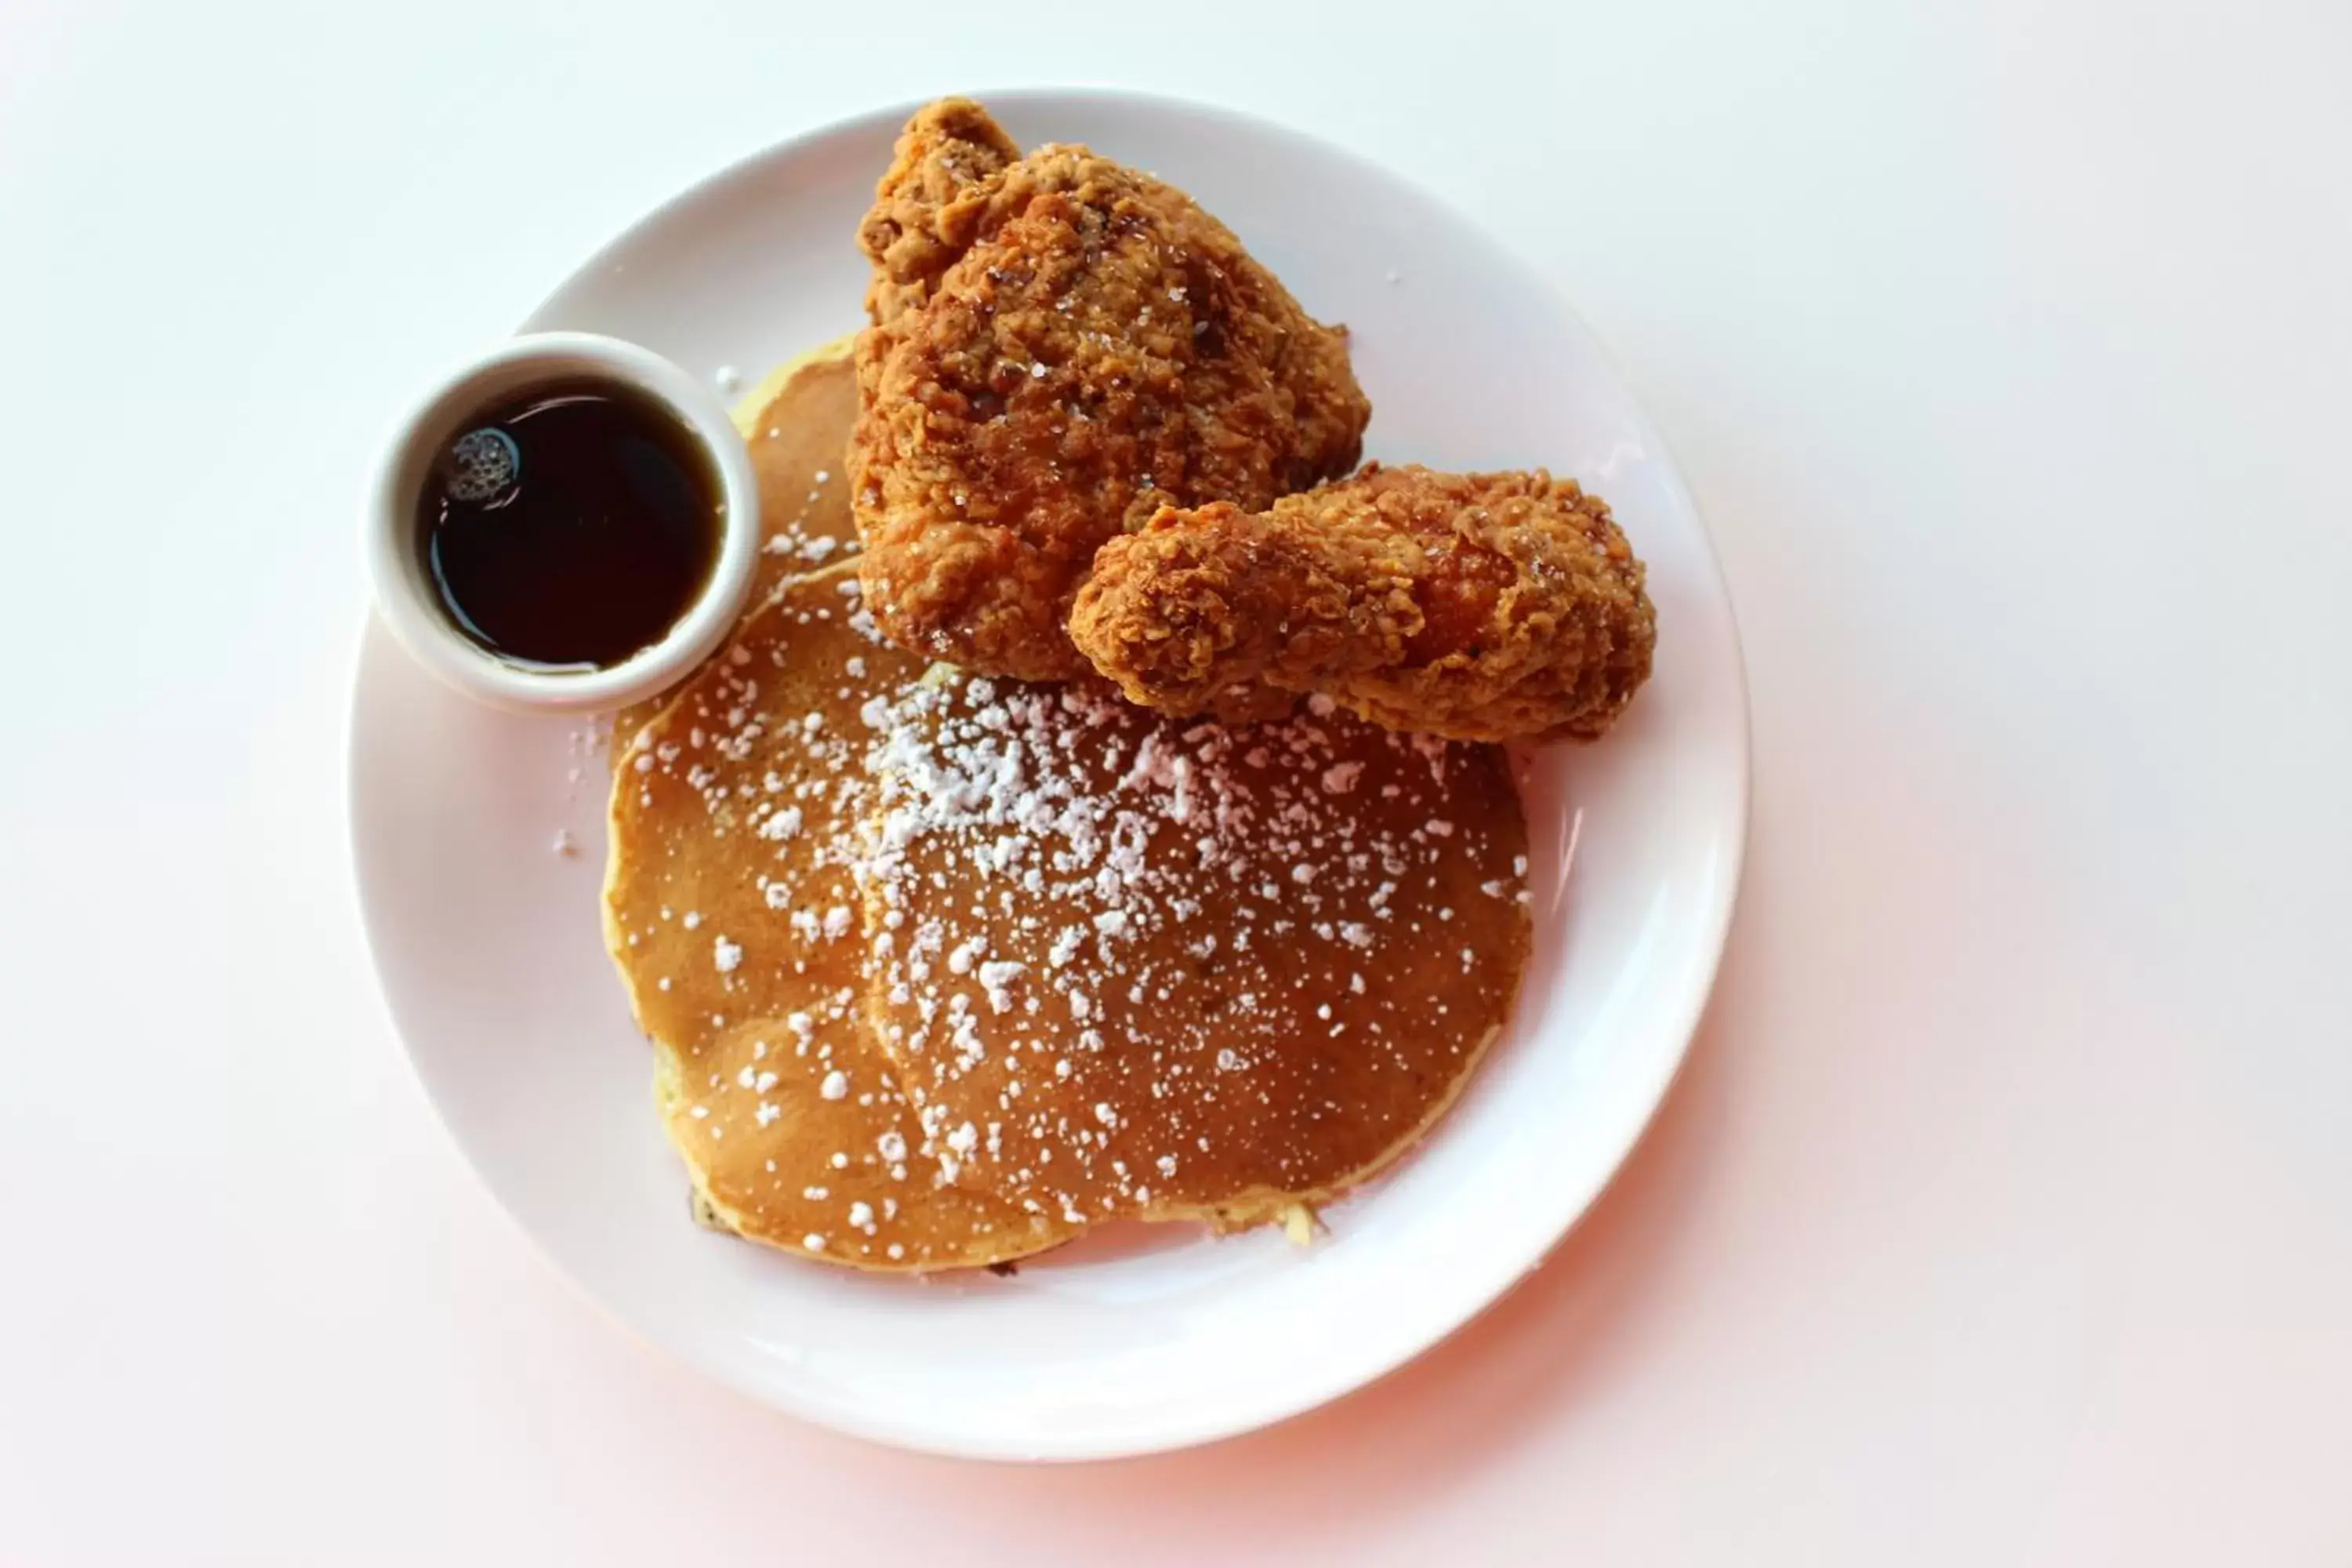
x=1059 y=347
x=1483 y=606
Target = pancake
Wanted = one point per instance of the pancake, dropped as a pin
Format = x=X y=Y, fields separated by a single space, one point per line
x=797 y=424
x=731 y=911
x=796 y=421
x=1128 y=964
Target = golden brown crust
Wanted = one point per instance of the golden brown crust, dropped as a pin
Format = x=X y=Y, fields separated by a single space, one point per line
x=1482 y=606
x=1060 y=346
x=929 y=204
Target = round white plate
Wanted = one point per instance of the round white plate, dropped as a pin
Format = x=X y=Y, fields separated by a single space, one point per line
x=486 y=938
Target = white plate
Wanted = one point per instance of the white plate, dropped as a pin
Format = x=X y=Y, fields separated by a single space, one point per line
x=488 y=943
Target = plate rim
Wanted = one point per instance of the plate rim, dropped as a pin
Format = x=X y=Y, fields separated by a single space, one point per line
x=1464 y=1305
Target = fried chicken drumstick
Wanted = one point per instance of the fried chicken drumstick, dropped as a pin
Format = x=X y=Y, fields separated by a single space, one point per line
x=1059 y=347
x=1483 y=606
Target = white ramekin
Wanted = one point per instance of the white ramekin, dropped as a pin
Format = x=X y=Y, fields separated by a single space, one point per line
x=412 y=608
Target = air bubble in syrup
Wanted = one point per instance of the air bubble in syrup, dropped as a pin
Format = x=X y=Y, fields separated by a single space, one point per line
x=482 y=464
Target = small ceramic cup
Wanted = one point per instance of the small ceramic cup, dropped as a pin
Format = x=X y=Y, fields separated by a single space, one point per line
x=412 y=607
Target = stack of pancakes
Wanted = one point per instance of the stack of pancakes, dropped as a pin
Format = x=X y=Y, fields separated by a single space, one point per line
x=941 y=970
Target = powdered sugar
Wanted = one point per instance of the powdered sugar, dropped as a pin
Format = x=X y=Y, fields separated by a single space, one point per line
x=1085 y=942
x=1034 y=845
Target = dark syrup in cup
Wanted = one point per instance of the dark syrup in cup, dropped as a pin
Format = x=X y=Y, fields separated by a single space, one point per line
x=571 y=525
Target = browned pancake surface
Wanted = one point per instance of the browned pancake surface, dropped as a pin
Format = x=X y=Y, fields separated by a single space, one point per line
x=731 y=911
x=1128 y=964
x=797 y=437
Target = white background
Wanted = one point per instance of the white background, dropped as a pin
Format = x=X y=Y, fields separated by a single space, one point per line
x=2004 y=1215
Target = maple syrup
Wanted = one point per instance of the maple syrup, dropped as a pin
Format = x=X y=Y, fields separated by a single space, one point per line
x=571 y=524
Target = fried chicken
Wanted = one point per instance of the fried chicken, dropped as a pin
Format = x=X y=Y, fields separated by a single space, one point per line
x=1059 y=347
x=1483 y=606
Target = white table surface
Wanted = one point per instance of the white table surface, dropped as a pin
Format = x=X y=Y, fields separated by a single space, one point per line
x=2004 y=1215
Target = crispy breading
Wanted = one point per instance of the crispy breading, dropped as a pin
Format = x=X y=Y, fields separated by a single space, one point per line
x=1483 y=606
x=928 y=206
x=1060 y=346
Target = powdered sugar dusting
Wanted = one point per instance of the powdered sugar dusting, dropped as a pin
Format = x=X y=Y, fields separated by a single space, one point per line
x=738 y=886
x=1028 y=957
x=1103 y=936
